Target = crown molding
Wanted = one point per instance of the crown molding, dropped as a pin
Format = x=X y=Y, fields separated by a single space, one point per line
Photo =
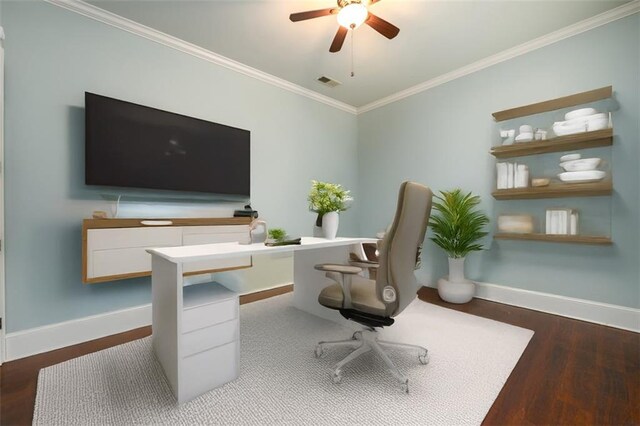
x=570 y=31
x=133 y=27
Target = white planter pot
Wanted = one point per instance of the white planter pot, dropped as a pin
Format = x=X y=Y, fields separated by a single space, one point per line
x=456 y=269
x=330 y=223
x=454 y=288
x=460 y=292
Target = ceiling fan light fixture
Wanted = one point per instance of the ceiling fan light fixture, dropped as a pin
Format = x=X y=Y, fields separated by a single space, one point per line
x=353 y=15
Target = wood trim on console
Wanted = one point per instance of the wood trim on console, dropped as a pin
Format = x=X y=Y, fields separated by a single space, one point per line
x=212 y=271
x=136 y=223
x=265 y=294
x=108 y=278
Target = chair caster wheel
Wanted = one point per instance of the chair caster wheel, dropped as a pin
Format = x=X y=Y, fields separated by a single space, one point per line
x=424 y=358
x=336 y=376
x=357 y=335
x=404 y=387
x=319 y=352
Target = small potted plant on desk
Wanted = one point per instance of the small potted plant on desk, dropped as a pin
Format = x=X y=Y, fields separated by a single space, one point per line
x=457 y=228
x=327 y=200
x=277 y=235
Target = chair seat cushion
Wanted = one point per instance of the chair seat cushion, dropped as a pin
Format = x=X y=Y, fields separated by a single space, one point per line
x=363 y=296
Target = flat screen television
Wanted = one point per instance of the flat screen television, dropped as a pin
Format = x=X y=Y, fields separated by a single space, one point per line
x=129 y=145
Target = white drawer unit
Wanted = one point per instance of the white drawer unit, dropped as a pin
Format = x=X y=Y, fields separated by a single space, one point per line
x=209 y=340
x=210 y=337
x=208 y=315
x=116 y=248
x=208 y=370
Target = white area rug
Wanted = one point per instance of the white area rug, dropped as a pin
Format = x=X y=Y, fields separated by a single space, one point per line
x=282 y=383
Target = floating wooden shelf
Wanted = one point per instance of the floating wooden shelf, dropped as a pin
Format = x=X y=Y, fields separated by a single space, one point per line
x=554 y=104
x=575 y=239
x=556 y=190
x=593 y=139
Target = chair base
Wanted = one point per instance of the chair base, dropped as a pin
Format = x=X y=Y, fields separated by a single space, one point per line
x=367 y=340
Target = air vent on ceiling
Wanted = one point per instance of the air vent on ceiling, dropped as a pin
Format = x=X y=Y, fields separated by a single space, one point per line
x=328 y=81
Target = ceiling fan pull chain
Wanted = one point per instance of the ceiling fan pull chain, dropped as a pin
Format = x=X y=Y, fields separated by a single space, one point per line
x=352 y=31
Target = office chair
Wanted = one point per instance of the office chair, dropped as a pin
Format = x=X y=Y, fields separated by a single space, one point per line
x=374 y=304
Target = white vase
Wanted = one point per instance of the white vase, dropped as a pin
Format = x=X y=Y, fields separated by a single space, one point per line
x=456 y=269
x=455 y=288
x=330 y=223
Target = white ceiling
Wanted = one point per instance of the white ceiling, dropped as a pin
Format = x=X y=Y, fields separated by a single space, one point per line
x=435 y=37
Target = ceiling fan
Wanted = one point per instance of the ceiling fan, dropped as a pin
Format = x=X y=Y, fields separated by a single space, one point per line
x=351 y=14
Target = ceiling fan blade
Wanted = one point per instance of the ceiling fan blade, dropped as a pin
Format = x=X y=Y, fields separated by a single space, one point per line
x=310 y=14
x=383 y=27
x=338 y=40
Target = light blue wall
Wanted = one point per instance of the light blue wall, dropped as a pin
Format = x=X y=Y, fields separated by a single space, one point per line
x=53 y=56
x=442 y=137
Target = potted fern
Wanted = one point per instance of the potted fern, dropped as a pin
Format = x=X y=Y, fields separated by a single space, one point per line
x=327 y=200
x=457 y=228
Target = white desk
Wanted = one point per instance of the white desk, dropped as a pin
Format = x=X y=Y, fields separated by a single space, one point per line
x=171 y=324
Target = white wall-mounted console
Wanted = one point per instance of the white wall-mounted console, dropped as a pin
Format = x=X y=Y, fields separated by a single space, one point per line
x=114 y=249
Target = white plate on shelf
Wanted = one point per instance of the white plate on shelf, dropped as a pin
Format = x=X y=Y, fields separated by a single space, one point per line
x=579 y=113
x=570 y=157
x=580 y=165
x=582 y=176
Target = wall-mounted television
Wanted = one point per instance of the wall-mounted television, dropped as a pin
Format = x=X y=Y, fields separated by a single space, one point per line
x=135 y=146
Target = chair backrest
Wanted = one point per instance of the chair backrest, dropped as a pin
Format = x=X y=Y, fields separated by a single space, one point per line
x=400 y=250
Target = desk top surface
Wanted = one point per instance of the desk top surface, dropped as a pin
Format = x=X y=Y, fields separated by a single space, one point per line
x=185 y=254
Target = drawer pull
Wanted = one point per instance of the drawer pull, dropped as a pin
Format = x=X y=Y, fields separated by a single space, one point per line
x=156 y=222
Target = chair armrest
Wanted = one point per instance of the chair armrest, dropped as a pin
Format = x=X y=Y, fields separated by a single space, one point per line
x=341 y=274
x=365 y=264
x=341 y=269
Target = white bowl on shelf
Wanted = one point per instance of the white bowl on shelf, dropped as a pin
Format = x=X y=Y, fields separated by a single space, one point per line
x=583 y=176
x=570 y=157
x=583 y=120
x=579 y=113
x=561 y=130
x=524 y=137
x=581 y=165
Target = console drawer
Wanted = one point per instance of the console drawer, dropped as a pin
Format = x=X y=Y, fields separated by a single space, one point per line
x=115 y=238
x=122 y=251
x=119 y=262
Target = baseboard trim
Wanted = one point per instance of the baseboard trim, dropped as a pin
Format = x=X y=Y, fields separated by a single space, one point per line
x=37 y=340
x=585 y=310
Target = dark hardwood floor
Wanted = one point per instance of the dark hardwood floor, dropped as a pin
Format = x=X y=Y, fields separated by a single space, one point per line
x=572 y=372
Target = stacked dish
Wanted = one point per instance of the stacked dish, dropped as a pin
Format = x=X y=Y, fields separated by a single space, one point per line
x=526 y=134
x=581 y=120
x=579 y=169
